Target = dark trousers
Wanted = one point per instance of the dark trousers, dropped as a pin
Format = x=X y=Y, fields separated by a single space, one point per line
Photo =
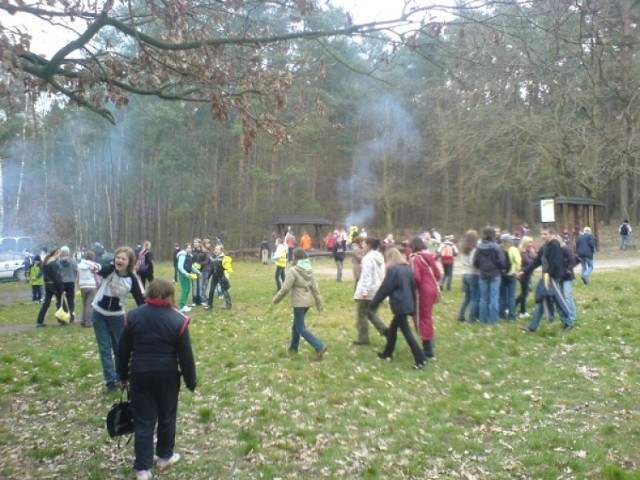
x=212 y=291
x=70 y=293
x=400 y=322
x=36 y=293
x=49 y=292
x=279 y=277
x=154 y=399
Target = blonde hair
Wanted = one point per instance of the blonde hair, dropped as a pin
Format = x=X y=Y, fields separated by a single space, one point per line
x=163 y=290
x=587 y=230
x=146 y=245
x=525 y=243
x=394 y=257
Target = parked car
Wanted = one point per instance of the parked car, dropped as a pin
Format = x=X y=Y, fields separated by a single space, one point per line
x=12 y=266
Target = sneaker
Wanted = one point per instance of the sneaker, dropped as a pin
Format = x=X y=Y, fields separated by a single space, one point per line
x=112 y=387
x=382 y=356
x=524 y=315
x=420 y=366
x=40 y=325
x=527 y=330
x=194 y=304
x=168 y=462
x=321 y=353
x=143 y=475
x=185 y=309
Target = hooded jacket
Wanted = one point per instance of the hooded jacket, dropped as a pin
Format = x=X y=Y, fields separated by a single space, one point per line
x=371 y=275
x=300 y=281
x=489 y=260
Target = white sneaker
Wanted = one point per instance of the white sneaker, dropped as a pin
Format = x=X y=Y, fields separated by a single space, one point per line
x=524 y=315
x=185 y=309
x=143 y=475
x=166 y=463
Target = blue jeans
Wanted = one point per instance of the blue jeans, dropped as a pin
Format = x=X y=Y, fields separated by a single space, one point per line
x=587 y=266
x=624 y=240
x=108 y=331
x=298 y=329
x=489 y=298
x=215 y=281
x=447 y=276
x=205 y=282
x=567 y=293
x=508 y=297
x=471 y=291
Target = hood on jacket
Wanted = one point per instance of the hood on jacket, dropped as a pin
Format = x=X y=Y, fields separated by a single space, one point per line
x=488 y=245
x=304 y=264
x=376 y=257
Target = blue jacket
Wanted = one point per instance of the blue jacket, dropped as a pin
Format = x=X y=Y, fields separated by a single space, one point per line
x=585 y=245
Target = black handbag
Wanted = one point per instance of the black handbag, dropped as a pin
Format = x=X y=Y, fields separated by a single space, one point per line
x=120 y=418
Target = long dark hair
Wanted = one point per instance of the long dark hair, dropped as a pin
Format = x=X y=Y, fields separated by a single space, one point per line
x=373 y=243
x=417 y=244
x=469 y=242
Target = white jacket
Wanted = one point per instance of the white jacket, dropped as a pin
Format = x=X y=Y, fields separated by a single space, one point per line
x=86 y=278
x=371 y=276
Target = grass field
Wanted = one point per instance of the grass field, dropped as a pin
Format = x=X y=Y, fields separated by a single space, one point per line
x=494 y=404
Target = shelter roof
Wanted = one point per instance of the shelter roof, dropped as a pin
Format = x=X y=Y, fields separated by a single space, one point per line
x=559 y=199
x=300 y=220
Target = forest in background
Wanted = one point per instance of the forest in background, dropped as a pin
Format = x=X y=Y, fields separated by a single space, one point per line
x=462 y=123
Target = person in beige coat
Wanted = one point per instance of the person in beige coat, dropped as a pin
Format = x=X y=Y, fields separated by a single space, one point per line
x=357 y=253
x=300 y=282
x=370 y=280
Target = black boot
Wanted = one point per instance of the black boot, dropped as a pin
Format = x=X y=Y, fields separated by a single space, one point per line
x=428 y=345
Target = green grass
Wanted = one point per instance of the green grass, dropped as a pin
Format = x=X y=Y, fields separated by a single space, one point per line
x=494 y=404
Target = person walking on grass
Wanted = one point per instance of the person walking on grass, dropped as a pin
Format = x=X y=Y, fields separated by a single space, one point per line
x=154 y=352
x=399 y=285
x=548 y=290
x=52 y=284
x=280 y=259
x=118 y=280
x=371 y=276
x=427 y=274
x=625 y=234
x=301 y=284
x=585 y=248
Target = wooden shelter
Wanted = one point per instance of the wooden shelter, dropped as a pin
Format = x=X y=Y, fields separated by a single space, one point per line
x=302 y=222
x=570 y=213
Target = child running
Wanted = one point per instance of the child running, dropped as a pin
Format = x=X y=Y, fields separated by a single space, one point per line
x=304 y=292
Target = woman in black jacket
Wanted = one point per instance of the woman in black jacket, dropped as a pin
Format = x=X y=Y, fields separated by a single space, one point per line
x=400 y=286
x=52 y=284
x=155 y=350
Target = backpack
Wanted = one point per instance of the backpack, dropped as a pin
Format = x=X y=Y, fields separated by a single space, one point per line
x=624 y=229
x=141 y=263
x=507 y=263
x=447 y=251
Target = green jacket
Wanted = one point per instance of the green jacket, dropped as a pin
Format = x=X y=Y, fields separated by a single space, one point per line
x=299 y=280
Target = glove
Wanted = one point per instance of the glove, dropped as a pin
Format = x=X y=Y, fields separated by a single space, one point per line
x=197 y=266
x=193 y=276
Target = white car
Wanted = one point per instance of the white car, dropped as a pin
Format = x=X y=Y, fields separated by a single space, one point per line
x=12 y=266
